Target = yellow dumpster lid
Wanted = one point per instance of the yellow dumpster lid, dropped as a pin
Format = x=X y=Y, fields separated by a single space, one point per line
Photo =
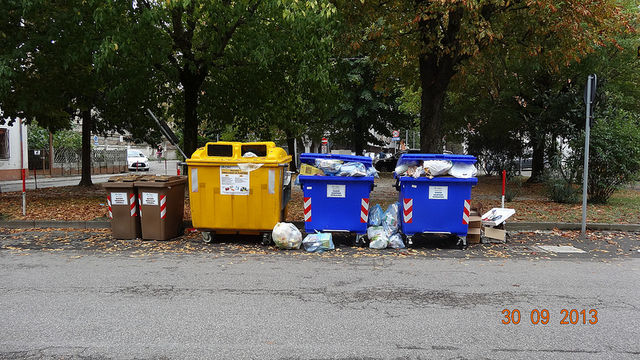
x=230 y=153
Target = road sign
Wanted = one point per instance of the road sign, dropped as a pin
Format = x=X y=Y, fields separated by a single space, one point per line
x=325 y=141
x=395 y=135
x=95 y=139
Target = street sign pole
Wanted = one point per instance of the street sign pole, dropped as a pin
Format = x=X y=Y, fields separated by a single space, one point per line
x=585 y=175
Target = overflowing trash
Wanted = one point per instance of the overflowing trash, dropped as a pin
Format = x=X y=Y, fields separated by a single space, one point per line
x=384 y=230
x=318 y=242
x=433 y=168
x=286 y=236
x=249 y=166
x=335 y=167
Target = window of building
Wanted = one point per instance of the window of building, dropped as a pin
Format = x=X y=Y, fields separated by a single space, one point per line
x=4 y=144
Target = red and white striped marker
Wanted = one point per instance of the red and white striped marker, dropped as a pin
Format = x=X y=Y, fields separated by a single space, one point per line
x=466 y=212
x=140 y=204
x=307 y=209
x=364 y=211
x=407 y=210
x=132 y=205
x=163 y=206
x=109 y=206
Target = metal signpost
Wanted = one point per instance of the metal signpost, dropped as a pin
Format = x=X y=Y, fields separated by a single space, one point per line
x=325 y=143
x=589 y=96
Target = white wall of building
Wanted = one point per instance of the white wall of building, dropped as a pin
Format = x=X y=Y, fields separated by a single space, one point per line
x=13 y=162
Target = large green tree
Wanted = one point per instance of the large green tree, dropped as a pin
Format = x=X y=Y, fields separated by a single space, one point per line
x=426 y=42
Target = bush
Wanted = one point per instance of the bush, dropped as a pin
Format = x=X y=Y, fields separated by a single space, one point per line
x=562 y=192
x=614 y=154
x=513 y=188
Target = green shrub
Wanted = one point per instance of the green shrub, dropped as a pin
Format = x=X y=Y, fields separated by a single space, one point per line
x=562 y=192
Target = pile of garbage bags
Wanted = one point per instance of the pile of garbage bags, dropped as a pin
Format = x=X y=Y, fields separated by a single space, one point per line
x=334 y=167
x=433 y=168
x=383 y=229
x=287 y=236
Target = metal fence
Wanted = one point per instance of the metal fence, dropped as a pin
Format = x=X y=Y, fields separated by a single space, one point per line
x=69 y=161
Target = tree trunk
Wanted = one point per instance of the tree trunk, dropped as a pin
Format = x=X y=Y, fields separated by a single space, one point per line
x=358 y=137
x=85 y=179
x=291 y=140
x=537 y=162
x=435 y=75
x=190 y=128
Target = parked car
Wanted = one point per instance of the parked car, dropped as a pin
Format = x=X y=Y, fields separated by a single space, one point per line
x=389 y=164
x=136 y=160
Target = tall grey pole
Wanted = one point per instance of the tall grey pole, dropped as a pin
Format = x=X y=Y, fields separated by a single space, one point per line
x=585 y=175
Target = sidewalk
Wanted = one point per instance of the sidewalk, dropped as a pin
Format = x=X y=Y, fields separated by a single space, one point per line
x=16 y=185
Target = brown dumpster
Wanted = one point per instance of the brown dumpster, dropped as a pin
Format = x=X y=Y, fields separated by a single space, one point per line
x=122 y=207
x=161 y=200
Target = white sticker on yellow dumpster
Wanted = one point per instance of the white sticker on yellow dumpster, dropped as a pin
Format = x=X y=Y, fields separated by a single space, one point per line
x=119 y=198
x=149 y=198
x=438 y=192
x=336 y=191
x=233 y=181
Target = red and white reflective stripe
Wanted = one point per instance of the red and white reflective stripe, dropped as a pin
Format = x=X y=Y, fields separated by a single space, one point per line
x=163 y=206
x=140 y=204
x=109 y=206
x=407 y=205
x=307 y=209
x=364 y=210
x=465 y=213
x=132 y=205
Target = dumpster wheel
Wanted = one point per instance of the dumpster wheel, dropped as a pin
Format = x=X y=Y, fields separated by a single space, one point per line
x=361 y=240
x=462 y=242
x=266 y=238
x=208 y=236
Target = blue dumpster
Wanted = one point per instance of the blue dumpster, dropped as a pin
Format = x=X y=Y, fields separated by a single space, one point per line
x=336 y=203
x=438 y=205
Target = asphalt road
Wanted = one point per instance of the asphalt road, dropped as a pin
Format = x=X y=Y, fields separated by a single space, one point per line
x=80 y=304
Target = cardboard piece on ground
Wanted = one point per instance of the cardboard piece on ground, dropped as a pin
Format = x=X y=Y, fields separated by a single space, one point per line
x=497 y=216
x=494 y=233
x=475 y=222
x=473 y=236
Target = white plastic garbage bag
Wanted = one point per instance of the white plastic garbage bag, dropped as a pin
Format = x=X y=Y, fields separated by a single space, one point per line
x=378 y=238
x=249 y=166
x=390 y=219
x=437 y=167
x=286 y=236
x=463 y=170
x=395 y=241
x=318 y=242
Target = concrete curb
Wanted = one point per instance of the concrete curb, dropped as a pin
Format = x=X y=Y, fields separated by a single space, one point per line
x=511 y=226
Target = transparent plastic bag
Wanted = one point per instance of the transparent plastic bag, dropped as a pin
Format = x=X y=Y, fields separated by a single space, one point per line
x=395 y=241
x=352 y=169
x=286 y=236
x=375 y=215
x=329 y=166
x=390 y=219
x=419 y=172
x=437 y=167
x=249 y=166
x=318 y=242
x=378 y=238
x=371 y=171
x=401 y=170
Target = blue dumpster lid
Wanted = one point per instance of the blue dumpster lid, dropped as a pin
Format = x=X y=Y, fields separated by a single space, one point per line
x=468 y=159
x=310 y=158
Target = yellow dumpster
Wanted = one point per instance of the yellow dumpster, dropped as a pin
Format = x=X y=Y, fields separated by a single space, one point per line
x=238 y=188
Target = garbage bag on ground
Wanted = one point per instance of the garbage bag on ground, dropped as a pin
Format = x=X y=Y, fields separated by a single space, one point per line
x=395 y=241
x=390 y=219
x=352 y=169
x=306 y=169
x=318 y=242
x=378 y=238
x=329 y=166
x=286 y=236
x=437 y=167
x=375 y=215
x=463 y=170
x=371 y=171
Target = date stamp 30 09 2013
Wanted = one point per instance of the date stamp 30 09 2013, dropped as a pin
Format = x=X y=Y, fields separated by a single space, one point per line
x=543 y=317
